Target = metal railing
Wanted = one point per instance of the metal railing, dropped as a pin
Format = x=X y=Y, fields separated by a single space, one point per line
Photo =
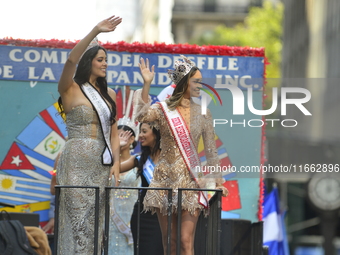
x=107 y=215
x=212 y=224
x=96 y=215
x=215 y=210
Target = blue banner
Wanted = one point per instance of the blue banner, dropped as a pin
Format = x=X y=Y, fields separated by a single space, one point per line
x=46 y=65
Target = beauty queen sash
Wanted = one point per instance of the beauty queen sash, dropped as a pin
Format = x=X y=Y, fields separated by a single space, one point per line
x=121 y=225
x=104 y=113
x=186 y=147
x=148 y=169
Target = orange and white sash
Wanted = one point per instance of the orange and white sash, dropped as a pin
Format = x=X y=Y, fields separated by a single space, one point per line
x=186 y=146
x=103 y=111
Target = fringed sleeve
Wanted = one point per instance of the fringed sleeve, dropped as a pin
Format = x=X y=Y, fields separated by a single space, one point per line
x=210 y=149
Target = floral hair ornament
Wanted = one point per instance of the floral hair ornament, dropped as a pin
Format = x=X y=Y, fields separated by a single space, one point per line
x=182 y=68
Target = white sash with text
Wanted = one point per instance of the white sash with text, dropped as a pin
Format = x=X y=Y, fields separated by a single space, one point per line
x=103 y=111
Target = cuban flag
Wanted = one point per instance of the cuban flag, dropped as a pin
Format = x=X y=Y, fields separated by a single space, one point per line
x=274 y=233
x=23 y=162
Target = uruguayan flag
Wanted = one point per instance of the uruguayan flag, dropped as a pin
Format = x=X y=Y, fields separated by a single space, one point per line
x=274 y=235
x=19 y=191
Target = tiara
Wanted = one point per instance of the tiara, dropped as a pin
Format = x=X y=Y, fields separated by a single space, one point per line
x=93 y=43
x=129 y=123
x=182 y=68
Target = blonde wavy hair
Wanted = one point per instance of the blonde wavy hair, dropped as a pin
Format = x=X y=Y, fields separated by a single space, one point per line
x=180 y=89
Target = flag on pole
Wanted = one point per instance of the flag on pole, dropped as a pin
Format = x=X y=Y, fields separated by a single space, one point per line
x=274 y=234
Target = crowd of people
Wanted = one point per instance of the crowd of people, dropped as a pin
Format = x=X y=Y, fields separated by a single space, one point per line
x=98 y=154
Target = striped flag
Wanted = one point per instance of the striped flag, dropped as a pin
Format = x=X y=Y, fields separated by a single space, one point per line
x=16 y=159
x=25 y=177
x=53 y=119
x=274 y=235
x=18 y=191
x=41 y=138
x=19 y=159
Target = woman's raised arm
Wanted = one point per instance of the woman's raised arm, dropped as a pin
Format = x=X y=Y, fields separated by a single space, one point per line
x=66 y=78
x=148 y=75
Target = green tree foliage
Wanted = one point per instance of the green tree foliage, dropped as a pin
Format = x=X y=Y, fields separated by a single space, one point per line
x=261 y=28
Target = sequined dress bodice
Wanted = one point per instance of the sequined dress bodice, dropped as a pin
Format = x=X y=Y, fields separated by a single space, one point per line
x=82 y=122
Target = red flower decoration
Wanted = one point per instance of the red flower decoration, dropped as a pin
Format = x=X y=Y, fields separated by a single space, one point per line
x=137 y=47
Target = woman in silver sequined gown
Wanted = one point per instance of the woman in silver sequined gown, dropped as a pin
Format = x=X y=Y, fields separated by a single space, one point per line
x=81 y=162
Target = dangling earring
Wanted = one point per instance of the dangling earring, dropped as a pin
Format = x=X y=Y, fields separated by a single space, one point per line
x=131 y=146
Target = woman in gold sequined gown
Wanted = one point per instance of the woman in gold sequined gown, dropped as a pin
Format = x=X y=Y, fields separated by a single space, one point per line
x=81 y=162
x=171 y=170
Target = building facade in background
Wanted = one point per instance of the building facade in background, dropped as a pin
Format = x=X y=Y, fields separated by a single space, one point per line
x=310 y=60
x=144 y=21
x=192 y=19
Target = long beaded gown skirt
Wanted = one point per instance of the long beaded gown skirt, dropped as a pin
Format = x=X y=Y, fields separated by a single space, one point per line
x=80 y=164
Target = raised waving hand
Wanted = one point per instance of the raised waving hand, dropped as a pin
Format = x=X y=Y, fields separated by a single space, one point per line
x=124 y=138
x=66 y=78
x=109 y=24
x=148 y=75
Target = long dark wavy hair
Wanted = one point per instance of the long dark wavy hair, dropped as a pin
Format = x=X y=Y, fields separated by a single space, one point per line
x=146 y=150
x=83 y=74
x=180 y=89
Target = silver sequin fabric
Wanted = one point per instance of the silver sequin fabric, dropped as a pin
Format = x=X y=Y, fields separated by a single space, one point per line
x=171 y=170
x=80 y=164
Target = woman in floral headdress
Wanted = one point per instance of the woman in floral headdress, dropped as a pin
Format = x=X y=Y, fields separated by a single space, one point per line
x=181 y=125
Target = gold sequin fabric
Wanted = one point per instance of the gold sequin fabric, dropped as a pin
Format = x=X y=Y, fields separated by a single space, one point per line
x=171 y=170
x=80 y=164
